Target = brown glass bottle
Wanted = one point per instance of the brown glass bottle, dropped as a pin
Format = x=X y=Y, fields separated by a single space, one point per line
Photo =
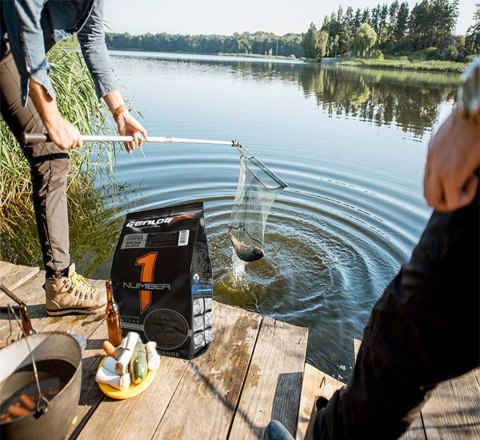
x=112 y=316
x=26 y=323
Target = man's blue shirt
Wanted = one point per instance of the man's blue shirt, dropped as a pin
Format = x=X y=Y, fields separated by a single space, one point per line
x=34 y=26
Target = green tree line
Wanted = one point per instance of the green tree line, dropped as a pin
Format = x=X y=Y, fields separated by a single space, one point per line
x=387 y=29
x=392 y=29
x=261 y=43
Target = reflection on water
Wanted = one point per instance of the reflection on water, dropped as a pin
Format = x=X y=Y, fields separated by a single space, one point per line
x=349 y=143
x=409 y=100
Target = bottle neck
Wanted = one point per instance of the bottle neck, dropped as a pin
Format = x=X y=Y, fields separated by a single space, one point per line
x=108 y=286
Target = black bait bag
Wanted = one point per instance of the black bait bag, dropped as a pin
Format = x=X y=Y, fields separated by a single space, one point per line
x=162 y=279
x=257 y=189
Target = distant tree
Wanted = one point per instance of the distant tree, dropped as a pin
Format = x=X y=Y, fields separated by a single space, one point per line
x=472 y=37
x=309 y=42
x=322 y=41
x=364 y=41
x=326 y=22
x=340 y=14
x=348 y=17
x=383 y=15
x=347 y=31
x=332 y=26
x=432 y=23
x=419 y=24
x=444 y=17
x=357 y=20
x=376 y=18
x=400 y=29
x=366 y=16
x=243 y=42
x=334 y=46
x=392 y=13
x=334 y=29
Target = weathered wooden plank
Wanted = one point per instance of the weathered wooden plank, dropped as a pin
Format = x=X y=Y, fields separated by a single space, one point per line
x=453 y=410
x=207 y=391
x=12 y=275
x=98 y=413
x=416 y=431
x=90 y=395
x=151 y=405
x=315 y=384
x=4 y=266
x=132 y=418
x=476 y=376
x=31 y=291
x=273 y=385
x=33 y=294
x=204 y=403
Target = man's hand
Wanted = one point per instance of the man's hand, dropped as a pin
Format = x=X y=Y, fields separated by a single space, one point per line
x=62 y=133
x=129 y=126
x=450 y=181
x=126 y=123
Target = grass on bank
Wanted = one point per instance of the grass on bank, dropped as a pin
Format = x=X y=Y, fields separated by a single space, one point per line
x=255 y=55
x=405 y=63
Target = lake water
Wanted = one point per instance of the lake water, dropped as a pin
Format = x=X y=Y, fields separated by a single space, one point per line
x=351 y=146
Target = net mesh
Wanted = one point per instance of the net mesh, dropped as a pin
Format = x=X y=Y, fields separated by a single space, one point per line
x=257 y=189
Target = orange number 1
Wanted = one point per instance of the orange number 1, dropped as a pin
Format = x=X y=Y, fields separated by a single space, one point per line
x=146 y=276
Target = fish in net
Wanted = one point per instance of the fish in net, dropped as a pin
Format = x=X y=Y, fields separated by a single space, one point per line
x=257 y=189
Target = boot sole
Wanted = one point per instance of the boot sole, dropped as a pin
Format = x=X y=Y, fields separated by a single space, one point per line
x=62 y=312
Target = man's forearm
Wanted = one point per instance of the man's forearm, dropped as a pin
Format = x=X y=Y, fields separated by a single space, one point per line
x=62 y=132
x=113 y=100
x=45 y=105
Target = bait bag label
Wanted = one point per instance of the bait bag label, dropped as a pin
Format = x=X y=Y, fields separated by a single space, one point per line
x=162 y=279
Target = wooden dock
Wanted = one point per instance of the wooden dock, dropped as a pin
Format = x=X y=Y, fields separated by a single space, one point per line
x=254 y=371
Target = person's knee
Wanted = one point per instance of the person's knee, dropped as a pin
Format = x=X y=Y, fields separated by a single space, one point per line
x=49 y=175
x=59 y=172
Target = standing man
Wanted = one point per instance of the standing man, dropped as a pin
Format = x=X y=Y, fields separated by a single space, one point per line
x=425 y=327
x=28 y=29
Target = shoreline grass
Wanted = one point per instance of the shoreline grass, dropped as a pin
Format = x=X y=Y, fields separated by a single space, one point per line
x=406 y=64
x=257 y=55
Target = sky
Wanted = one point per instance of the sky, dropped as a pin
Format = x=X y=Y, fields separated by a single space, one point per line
x=225 y=17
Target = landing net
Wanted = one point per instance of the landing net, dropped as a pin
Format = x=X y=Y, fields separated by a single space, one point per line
x=257 y=189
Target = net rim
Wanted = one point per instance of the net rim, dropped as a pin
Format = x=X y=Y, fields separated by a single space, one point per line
x=282 y=184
